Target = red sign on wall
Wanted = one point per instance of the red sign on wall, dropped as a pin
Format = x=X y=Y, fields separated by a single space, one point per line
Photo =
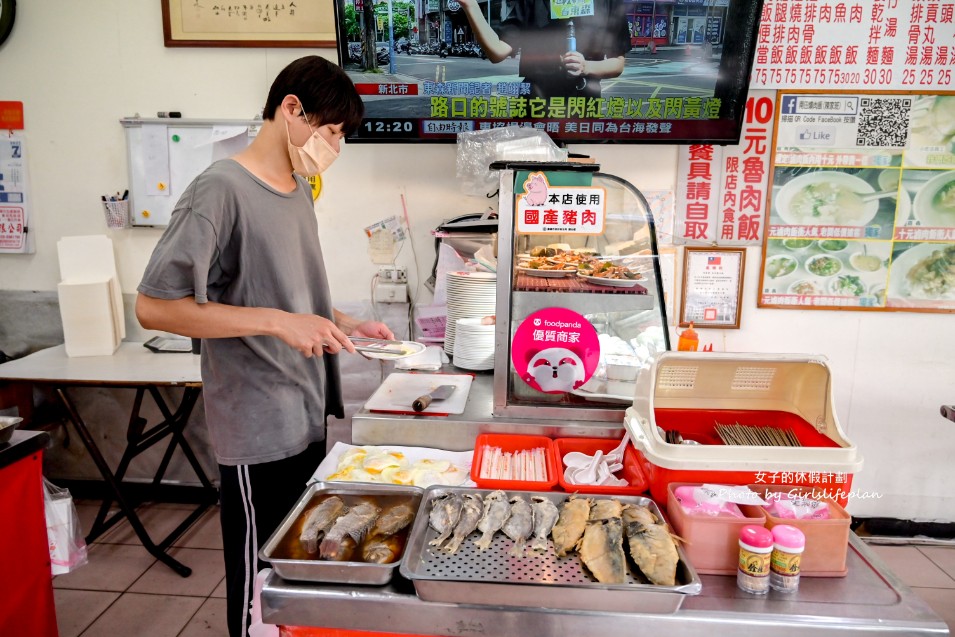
x=11 y=115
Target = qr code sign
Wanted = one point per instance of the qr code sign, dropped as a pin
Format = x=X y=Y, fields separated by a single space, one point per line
x=884 y=122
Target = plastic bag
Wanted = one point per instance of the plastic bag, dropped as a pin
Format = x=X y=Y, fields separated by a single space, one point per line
x=478 y=149
x=67 y=545
x=791 y=507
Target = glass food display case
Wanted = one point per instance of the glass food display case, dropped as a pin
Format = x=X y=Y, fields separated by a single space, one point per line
x=579 y=293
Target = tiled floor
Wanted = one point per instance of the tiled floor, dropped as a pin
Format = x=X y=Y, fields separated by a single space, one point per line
x=123 y=584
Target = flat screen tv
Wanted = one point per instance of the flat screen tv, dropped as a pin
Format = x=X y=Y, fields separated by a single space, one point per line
x=584 y=71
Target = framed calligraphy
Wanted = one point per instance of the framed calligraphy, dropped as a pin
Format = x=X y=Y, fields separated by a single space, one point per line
x=712 y=286
x=255 y=24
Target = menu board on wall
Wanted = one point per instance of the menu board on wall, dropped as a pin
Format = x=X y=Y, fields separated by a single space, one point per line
x=862 y=208
x=872 y=44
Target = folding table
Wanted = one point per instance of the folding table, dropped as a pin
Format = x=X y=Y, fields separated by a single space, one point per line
x=132 y=366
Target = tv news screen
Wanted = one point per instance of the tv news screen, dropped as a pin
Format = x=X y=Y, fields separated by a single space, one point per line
x=583 y=71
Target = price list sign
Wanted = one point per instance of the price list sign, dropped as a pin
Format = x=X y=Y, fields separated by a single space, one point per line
x=862 y=209
x=721 y=190
x=837 y=44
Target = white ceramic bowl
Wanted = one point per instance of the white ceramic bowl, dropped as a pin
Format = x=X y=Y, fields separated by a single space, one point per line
x=798 y=184
x=861 y=262
x=805 y=287
x=8 y=424
x=797 y=244
x=833 y=245
x=846 y=285
x=819 y=258
x=780 y=265
x=926 y=210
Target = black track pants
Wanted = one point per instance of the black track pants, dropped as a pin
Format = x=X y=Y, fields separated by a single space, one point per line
x=255 y=498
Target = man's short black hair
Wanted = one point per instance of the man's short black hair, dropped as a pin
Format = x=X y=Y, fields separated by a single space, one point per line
x=326 y=92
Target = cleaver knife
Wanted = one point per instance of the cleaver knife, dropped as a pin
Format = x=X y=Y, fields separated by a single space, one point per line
x=439 y=393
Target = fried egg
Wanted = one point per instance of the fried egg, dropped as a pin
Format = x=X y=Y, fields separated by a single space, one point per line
x=377 y=462
x=397 y=475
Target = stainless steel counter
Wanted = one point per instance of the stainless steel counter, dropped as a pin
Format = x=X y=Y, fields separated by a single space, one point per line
x=870 y=600
x=457 y=433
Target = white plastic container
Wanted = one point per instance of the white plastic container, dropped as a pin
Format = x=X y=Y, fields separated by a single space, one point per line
x=692 y=391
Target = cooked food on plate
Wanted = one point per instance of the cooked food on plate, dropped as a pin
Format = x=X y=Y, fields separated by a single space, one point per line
x=519 y=524
x=780 y=265
x=574 y=513
x=601 y=551
x=496 y=512
x=545 y=264
x=600 y=530
x=607 y=270
x=805 y=287
x=353 y=526
x=545 y=517
x=865 y=262
x=847 y=285
x=797 y=244
x=944 y=199
x=379 y=465
x=651 y=545
x=826 y=203
x=933 y=277
x=833 y=245
x=472 y=508
x=823 y=265
x=319 y=521
x=445 y=513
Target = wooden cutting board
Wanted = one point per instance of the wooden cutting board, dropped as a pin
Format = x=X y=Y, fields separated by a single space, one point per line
x=396 y=394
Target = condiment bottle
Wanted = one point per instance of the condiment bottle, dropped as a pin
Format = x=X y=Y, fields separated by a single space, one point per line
x=689 y=340
x=788 y=545
x=755 y=547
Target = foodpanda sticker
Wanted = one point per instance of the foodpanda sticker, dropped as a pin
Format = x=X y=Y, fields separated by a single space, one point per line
x=555 y=350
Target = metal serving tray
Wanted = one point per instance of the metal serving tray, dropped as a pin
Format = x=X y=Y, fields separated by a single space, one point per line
x=315 y=570
x=536 y=580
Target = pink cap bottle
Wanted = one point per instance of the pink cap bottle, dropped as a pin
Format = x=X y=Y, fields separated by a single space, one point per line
x=755 y=547
x=788 y=545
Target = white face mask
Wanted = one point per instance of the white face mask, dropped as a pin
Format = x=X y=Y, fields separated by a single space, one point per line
x=314 y=157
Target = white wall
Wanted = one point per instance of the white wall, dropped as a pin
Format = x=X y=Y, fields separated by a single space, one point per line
x=80 y=67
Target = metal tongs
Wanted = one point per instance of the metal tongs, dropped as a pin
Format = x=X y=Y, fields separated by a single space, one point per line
x=376 y=345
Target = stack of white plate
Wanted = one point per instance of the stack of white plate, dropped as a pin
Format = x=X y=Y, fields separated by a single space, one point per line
x=470 y=295
x=473 y=345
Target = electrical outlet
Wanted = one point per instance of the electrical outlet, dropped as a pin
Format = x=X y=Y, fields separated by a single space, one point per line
x=392 y=274
x=391 y=293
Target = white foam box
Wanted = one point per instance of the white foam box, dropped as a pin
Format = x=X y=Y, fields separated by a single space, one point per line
x=89 y=317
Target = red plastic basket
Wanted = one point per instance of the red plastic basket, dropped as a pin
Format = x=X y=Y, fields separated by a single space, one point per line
x=511 y=443
x=631 y=471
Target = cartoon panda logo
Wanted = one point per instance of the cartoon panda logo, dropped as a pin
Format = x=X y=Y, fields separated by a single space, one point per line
x=555 y=371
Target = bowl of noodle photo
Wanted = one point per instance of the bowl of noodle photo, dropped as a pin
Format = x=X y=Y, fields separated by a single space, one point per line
x=935 y=201
x=826 y=198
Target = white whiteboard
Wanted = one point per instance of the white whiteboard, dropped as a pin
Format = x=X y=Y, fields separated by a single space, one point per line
x=165 y=155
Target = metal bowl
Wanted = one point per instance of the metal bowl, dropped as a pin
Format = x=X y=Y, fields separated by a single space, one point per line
x=8 y=424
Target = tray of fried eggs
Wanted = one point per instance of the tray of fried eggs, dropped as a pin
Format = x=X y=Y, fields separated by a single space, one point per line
x=407 y=466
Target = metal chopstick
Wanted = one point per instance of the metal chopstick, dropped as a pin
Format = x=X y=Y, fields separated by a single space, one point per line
x=374 y=340
x=378 y=350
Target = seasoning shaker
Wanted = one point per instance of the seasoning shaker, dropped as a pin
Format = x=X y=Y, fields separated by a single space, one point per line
x=788 y=545
x=755 y=549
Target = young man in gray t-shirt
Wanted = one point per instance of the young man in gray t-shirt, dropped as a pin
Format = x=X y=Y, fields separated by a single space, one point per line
x=240 y=266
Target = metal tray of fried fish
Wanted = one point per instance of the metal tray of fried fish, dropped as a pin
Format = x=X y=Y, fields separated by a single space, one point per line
x=289 y=558
x=539 y=579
